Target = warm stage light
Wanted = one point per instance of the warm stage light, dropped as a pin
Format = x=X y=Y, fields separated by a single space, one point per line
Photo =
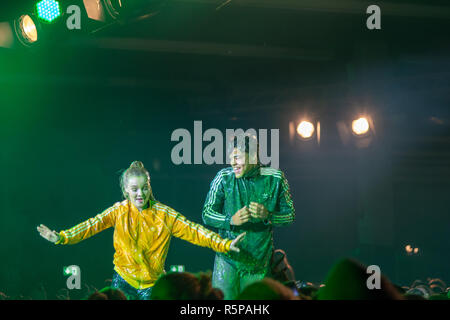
x=26 y=30
x=48 y=10
x=94 y=10
x=6 y=35
x=360 y=126
x=114 y=8
x=305 y=129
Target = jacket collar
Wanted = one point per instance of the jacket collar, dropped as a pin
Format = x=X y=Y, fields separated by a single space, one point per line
x=150 y=206
x=253 y=172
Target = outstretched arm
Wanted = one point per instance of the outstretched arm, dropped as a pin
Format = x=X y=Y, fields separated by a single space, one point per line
x=48 y=234
x=199 y=235
x=82 y=230
x=235 y=243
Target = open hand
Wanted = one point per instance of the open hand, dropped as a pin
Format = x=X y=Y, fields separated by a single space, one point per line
x=236 y=241
x=47 y=234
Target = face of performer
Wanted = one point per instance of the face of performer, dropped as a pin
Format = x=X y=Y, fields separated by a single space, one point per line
x=240 y=163
x=138 y=189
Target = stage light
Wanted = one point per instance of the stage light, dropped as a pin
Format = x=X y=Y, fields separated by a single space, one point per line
x=26 y=30
x=113 y=7
x=360 y=126
x=6 y=35
x=94 y=10
x=318 y=132
x=410 y=250
x=127 y=9
x=305 y=129
x=48 y=10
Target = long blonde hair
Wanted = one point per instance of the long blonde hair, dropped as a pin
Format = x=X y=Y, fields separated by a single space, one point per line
x=136 y=168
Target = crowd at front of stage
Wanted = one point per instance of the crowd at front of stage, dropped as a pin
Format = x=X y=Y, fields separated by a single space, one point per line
x=346 y=280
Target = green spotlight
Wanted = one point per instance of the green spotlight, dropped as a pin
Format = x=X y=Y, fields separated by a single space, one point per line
x=67 y=271
x=48 y=10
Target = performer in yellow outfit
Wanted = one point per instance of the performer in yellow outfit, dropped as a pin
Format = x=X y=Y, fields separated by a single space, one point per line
x=143 y=229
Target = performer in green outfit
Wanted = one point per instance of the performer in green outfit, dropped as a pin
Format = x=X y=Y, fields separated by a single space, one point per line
x=246 y=197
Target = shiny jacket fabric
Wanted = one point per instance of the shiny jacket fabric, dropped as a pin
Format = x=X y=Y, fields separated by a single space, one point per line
x=141 y=239
x=228 y=194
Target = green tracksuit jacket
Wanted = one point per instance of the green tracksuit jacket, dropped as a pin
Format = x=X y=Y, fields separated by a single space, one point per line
x=228 y=194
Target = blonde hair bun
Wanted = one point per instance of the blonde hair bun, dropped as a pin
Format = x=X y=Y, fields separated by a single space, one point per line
x=137 y=164
x=136 y=168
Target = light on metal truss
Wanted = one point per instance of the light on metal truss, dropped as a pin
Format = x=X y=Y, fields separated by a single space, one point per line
x=305 y=129
x=360 y=126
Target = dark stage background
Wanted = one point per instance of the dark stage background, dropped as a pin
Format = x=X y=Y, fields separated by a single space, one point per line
x=74 y=113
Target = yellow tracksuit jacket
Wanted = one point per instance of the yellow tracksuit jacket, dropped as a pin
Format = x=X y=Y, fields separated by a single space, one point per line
x=141 y=239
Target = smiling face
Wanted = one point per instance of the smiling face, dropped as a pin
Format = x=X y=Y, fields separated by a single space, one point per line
x=240 y=163
x=138 y=191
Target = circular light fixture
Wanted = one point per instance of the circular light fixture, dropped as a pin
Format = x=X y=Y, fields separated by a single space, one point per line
x=26 y=30
x=124 y=10
x=48 y=10
x=113 y=7
x=305 y=129
x=360 y=126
